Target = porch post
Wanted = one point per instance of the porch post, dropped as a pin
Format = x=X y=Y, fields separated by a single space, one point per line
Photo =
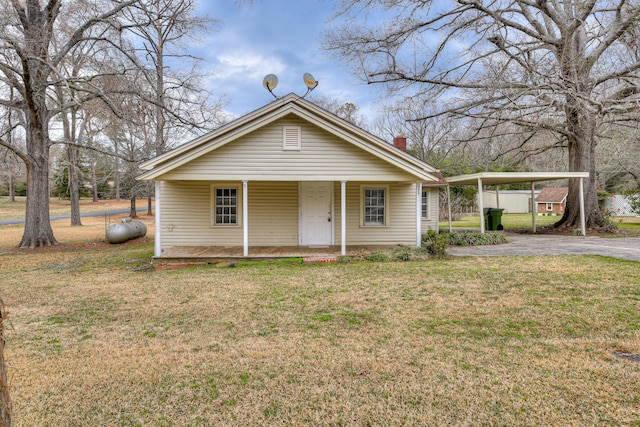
x=419 y=214
x=534 y=206
x=157 y=238
x=481 y=205
x=245 y=218
x=343 y=217
x=582 y=221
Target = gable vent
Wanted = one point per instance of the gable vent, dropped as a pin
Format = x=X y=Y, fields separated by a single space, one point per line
x=291 y=136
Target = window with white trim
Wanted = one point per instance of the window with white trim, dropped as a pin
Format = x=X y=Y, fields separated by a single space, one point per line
x=225 y=206
x=291 y=138
x=374 y=206
x=425 y=203
x=549 y=206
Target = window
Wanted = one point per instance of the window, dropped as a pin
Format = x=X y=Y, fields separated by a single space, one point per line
x=549 y=207
x=226 y=206
x=374 y=206
x=425 y=203
x=291 y=137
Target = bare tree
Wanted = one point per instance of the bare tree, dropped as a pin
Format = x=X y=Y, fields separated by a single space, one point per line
x=555 y=67
x=27 y=64
x=345 y=110
x=10 y=128
x=162 y=30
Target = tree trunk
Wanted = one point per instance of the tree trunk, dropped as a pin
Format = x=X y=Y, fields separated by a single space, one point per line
x=133 y=213
x=12 y=190
x=581 y=159
x=37 y=226
x=74 y=188
x=116 y=172
x=94 y=183
x=149 y=207
x=6 y=411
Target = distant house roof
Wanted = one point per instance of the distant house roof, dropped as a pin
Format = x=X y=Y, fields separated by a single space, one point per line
x=553 y=195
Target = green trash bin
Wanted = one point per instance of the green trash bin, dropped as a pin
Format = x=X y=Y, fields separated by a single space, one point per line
x=486 y=211
x=493 y=219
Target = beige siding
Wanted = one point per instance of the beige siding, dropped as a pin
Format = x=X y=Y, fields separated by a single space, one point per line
x=401 y=219
x=273 y=215
x=186 y=215
x=431 y=223
x=259 y=156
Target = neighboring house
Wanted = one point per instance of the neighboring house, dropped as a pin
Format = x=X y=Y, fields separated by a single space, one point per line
x=552 y=200
x=290 y=174
x=512 y=201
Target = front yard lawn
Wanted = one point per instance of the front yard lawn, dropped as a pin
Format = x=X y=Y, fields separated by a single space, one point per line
x=98 y=338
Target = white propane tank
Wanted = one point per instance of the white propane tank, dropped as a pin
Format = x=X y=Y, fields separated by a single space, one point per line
x=126 y=230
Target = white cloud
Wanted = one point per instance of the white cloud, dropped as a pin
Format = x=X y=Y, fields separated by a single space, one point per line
x=246 y=65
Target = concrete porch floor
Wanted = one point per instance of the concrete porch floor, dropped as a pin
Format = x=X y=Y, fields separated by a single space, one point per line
x=219 y=254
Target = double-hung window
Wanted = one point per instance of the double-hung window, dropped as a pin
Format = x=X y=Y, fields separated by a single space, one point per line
x=425 y=203
x=226 y=206
x=374 y=203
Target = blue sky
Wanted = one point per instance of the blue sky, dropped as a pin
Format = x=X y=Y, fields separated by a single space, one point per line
x=279 y=37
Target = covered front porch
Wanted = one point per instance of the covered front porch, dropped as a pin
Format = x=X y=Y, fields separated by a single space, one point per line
x=280 y=219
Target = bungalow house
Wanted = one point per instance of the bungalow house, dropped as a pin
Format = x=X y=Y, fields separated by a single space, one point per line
x=291 y=175
x=552 y=200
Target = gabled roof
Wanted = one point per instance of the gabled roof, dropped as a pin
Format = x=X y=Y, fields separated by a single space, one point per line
x=289 y=104
x=553 y=195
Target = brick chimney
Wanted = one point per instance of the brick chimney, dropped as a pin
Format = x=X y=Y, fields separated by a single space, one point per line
x=400 y=142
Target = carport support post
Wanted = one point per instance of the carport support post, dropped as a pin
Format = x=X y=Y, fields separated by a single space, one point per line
x=343 y=217
x=245 y=218
x=582 y=224
x=534 y=206
x=481 y=205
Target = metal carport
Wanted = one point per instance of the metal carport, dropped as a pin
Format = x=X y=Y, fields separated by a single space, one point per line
x=499 y=178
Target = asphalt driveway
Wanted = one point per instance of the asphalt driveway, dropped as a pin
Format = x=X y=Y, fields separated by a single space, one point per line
x=532 y=244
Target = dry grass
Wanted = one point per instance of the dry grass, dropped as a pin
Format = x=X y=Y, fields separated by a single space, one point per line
x=97 y=338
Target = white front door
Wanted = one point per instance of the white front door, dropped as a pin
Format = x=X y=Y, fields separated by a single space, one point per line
x=315 y=213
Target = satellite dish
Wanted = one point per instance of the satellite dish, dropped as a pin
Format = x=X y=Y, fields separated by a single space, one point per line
x=310 y=81
x=270 y=82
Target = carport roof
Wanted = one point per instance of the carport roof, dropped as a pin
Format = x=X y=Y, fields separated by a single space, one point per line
x=499 y=178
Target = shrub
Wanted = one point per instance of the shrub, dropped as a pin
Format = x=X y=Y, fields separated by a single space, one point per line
x=377 y=256
x=475 y=238
x=435 y=244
